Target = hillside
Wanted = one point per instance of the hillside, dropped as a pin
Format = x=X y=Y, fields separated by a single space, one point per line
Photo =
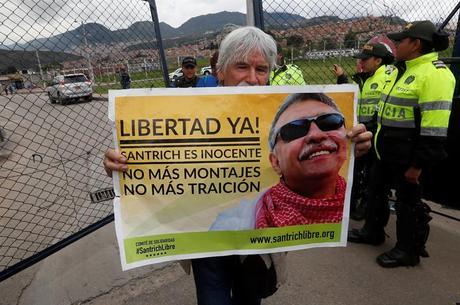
x=28 y=59
x=143 y=31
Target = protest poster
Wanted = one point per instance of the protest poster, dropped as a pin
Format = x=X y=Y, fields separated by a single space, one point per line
x=199 y=158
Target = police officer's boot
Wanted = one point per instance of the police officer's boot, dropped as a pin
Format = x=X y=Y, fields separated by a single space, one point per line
x=372 y=233
x=405 y=253
x=423 y=228
x=368 y=234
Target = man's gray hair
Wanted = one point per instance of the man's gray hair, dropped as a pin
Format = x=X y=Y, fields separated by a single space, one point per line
x=241 y=43
x=293 y=99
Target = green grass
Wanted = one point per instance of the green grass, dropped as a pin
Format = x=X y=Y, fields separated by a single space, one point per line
x=319 y=71
x=102 y=88
x=153 y=79
x=315 y=71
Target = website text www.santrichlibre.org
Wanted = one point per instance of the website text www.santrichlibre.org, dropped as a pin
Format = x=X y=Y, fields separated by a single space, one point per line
x=306 y=234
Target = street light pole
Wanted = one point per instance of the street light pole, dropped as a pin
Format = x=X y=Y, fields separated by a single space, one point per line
x=87 y=54
x=324 y=50
x=40 y=68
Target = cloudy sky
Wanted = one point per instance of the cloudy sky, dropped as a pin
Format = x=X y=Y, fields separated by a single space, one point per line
x=177 y=12
x=24 y=20
x=28 y=19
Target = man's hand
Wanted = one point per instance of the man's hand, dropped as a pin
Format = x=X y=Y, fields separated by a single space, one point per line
x=413 y=174
x=114 y=161
x=338 y=70
x=362 y=139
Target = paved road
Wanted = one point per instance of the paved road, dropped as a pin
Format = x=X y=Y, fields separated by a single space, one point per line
x=332 y=277
x=49 y=165
x=88 y=273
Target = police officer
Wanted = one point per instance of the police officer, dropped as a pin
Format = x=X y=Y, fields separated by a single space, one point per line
x=125 y=79
x=285 y=74
x=189 y=77
x=375 y=60
x=412 y=126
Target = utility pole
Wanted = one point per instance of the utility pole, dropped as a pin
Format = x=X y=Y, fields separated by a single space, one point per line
x=340 y=52
x=127 y=67
x=324 y=50
x=40 y=69
x=87 y=54
x=145 y=68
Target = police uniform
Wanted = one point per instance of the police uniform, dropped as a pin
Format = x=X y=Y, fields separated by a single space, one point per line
x=370 y=94
x=370 y=89
x=184 y=82
x=287 y=75
x=412 y=126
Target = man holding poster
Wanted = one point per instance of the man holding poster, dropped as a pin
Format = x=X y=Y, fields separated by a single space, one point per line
x=149 y=228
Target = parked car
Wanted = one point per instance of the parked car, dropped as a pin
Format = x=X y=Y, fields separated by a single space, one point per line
x=176 y=74
x=206 y=70
x=65 y=88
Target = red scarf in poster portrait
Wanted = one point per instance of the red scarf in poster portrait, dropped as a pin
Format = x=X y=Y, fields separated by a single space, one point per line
x=280 y=207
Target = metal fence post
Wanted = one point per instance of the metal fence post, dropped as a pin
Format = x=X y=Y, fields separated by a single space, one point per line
x=258 y=14
x=455 y=67
x=250 y=13
x=156 y=24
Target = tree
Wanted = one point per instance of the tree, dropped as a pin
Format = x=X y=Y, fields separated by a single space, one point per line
x=272 y=34
x=330 y=43
x=294 y=41
x=349 y=39
x=212 y=46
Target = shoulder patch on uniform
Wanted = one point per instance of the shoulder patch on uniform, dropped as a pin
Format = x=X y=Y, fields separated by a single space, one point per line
x=439 y=64
x=374 y=86
x=389 y=69
x=409 y=80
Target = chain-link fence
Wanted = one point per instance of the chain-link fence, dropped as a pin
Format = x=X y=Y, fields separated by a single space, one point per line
x=314 y=35
x=57 y=61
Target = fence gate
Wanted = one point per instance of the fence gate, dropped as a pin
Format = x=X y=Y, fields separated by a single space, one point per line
x=53 y=188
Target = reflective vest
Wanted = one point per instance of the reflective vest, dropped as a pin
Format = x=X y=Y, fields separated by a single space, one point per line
x=370 y=93
x=287 y=75
x=414 y=112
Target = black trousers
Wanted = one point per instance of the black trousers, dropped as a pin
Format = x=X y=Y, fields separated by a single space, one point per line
x=216 y=282
x=361 y=174
x=412 y=227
